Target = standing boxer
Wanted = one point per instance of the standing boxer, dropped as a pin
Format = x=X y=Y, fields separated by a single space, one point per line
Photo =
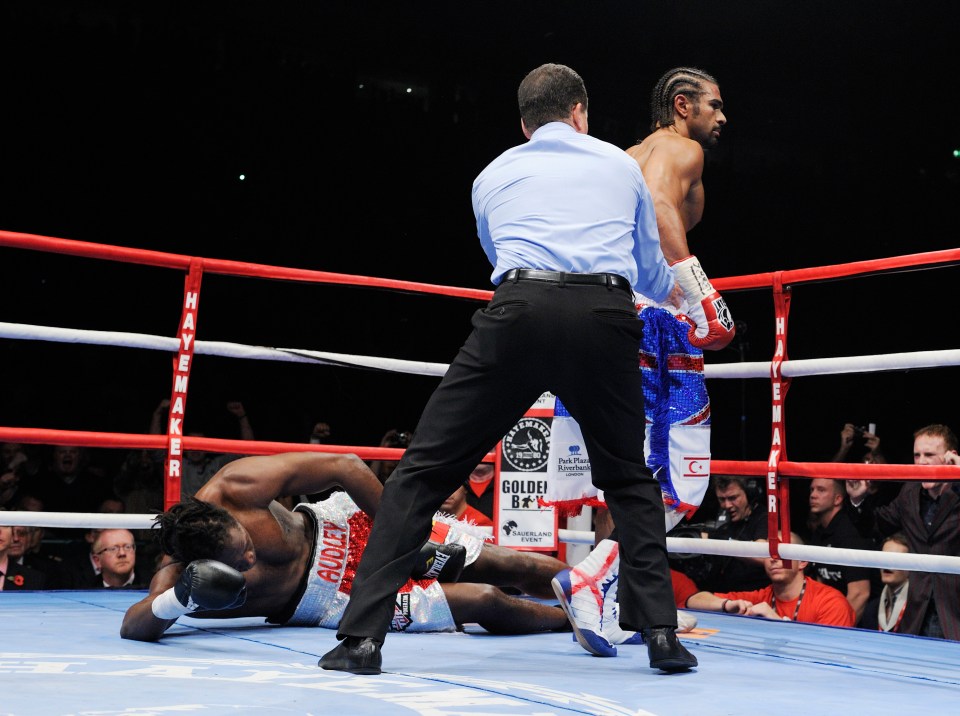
x=686 y=119
x=687 y=116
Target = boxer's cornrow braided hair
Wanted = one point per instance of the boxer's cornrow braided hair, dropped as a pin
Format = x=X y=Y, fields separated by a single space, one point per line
x=194 y=529
x=687 y=81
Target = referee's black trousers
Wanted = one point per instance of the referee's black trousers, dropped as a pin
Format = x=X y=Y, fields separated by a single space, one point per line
x=581 y=343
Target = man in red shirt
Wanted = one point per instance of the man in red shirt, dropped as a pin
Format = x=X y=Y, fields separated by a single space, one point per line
x=683 y=588
x=791 y=596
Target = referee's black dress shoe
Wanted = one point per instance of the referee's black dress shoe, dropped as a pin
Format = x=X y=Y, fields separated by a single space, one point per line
x=665 y=650
x=358 y=655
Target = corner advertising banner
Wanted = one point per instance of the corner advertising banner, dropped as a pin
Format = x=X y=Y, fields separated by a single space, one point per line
x=523 y=455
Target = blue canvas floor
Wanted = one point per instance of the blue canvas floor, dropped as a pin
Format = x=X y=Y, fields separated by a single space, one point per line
x=60 y=653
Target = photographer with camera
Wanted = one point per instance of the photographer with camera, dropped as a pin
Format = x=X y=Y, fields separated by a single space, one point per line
x=865 y=439
x=864 y=496
x=739 y=520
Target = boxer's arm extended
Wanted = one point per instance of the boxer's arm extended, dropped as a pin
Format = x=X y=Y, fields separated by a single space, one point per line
x=204 y=585
x=253 y=482
x=140 y=623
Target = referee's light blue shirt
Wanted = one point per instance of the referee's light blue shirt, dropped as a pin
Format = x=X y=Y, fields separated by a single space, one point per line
x=566 y=201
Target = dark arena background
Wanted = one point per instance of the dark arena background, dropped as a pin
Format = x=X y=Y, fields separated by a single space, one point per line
x=344 y=136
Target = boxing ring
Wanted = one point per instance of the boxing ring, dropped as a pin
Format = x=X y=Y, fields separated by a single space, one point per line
x=64 y=652
x=61 y=655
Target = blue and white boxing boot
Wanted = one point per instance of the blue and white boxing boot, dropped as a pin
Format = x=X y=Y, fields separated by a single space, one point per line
x=582 y=591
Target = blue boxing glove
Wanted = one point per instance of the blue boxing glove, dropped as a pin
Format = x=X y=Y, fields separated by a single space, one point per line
x=443 y=562
x=204 y=585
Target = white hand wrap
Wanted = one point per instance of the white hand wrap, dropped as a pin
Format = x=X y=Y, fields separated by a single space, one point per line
x=712 y=325
x=167 y=606
x=692 y=279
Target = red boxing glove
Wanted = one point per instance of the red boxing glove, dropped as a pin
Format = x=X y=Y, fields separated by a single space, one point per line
x=712 y=326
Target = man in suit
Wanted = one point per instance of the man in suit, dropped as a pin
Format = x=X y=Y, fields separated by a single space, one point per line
x=28 y=550
x=78 y=569
x=115 y=552
x=928 y=513
x=14 y=576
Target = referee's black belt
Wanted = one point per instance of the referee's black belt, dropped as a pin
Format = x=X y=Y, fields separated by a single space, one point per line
x=610 y=280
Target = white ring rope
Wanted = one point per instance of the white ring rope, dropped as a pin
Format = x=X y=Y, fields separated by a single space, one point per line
x=738 y=370
x=215 y=348
x=837 y=366
x=99 y=520
x=687 y=545
x=753 y=369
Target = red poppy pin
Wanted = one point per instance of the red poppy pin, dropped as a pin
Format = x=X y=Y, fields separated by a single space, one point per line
x=18 y=580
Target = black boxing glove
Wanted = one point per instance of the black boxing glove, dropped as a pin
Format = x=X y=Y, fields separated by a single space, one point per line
x=204 y=585
x=443 y=562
